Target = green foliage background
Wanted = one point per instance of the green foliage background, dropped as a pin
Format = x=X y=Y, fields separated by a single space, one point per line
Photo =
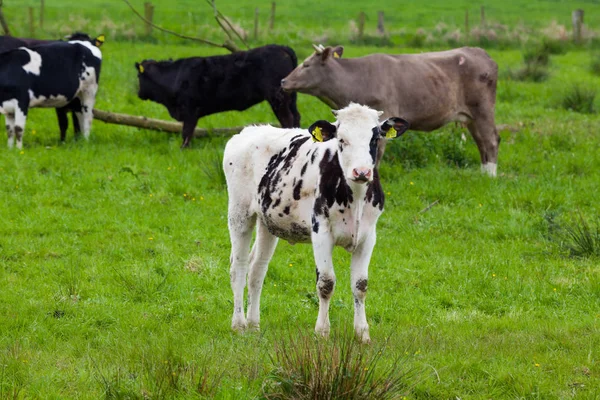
x=114 y=253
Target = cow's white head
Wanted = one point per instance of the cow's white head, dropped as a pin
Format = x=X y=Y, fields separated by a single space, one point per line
x=357 y=132
x=314 y=71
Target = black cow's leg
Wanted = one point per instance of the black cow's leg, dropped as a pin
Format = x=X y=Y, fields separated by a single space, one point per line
x=189 y=124
x=294 y=109
x=63 y=122
x=280 y=104
x=76 y=126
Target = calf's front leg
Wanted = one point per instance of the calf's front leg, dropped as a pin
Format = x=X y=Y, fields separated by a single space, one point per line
x=323 y=249
x=359 y=267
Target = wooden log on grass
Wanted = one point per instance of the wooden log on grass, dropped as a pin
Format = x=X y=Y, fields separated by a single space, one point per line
x=157 y=124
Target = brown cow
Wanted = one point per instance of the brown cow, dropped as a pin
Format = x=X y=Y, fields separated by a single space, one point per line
x=427 y=89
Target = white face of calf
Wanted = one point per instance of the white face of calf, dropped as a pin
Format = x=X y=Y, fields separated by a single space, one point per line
x=357 y=132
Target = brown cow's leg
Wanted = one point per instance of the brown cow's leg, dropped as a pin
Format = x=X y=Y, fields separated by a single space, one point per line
x=483 y=130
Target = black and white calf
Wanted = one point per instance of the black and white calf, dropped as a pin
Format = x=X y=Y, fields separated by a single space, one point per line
x=323 y=190
x=48 y=75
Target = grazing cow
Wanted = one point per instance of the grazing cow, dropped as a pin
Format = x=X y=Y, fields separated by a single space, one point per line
x=194 y=87
x=428 y=89
x=325 y=192
x=48 y=75
x=10 y=42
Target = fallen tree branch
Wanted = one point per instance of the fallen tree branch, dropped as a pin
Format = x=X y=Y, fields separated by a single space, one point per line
x=229 y=45
x=429 y=207
x=219 y=16
x=157 y=124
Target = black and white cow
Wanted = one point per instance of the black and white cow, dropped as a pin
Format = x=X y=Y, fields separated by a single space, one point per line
x=48 y=75
x=191 y=88
x=325 y=191
x=11 y=42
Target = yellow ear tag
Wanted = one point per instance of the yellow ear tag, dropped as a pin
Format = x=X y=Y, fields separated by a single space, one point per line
x=141 y=68
x=336 y=55
x=317 y=134
x=391 y=133
x=100 y=40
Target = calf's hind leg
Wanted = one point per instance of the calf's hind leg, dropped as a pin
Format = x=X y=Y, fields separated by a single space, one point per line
x=240 y=234
x=262 y=252
x=10 y=130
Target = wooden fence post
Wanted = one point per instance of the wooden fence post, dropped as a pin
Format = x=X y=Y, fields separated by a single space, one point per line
x=361 y=25
x=42 y=6
x=149 y=15
x=3 y=21
x=272 y=20
x=577 y=17
x=467 y=25
x=256 y=23
x=31 y=23
x=482 y=16
x=380 y=23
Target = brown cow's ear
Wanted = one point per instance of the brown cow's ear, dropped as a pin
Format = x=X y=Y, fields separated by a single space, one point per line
x=338 y=51
x=322 y=131
x=394 y=127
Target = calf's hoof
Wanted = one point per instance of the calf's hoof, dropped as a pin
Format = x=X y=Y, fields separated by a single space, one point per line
x=254 y=326
x=362 y=334
x=239 y=324
x=322 y=331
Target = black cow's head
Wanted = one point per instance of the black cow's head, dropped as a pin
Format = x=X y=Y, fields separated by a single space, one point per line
x=358 y=133
x=147 y=87
x=84 y=37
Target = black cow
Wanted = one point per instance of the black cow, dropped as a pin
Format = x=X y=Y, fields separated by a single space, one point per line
x=10 y=43
x=48 y=75
x=194 y=87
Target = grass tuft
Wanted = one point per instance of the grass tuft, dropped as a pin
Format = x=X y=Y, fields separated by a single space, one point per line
x=308 y=367
x=212 y=167
x=539 y=56
x=580 y=99
x=581 y=239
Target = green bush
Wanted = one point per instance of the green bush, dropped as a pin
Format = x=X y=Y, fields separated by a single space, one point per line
x=580 y=99
x=595 y=64
x=529 y=72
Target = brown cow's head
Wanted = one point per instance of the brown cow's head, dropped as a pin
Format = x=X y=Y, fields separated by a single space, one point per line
x=314 y=71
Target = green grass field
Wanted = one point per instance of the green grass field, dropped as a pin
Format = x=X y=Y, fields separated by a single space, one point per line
x=114 y=253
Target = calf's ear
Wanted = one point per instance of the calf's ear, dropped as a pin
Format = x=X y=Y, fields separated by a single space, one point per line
x=99 y=41
x=139 y=67
x=394 y=127
x=322 y=131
